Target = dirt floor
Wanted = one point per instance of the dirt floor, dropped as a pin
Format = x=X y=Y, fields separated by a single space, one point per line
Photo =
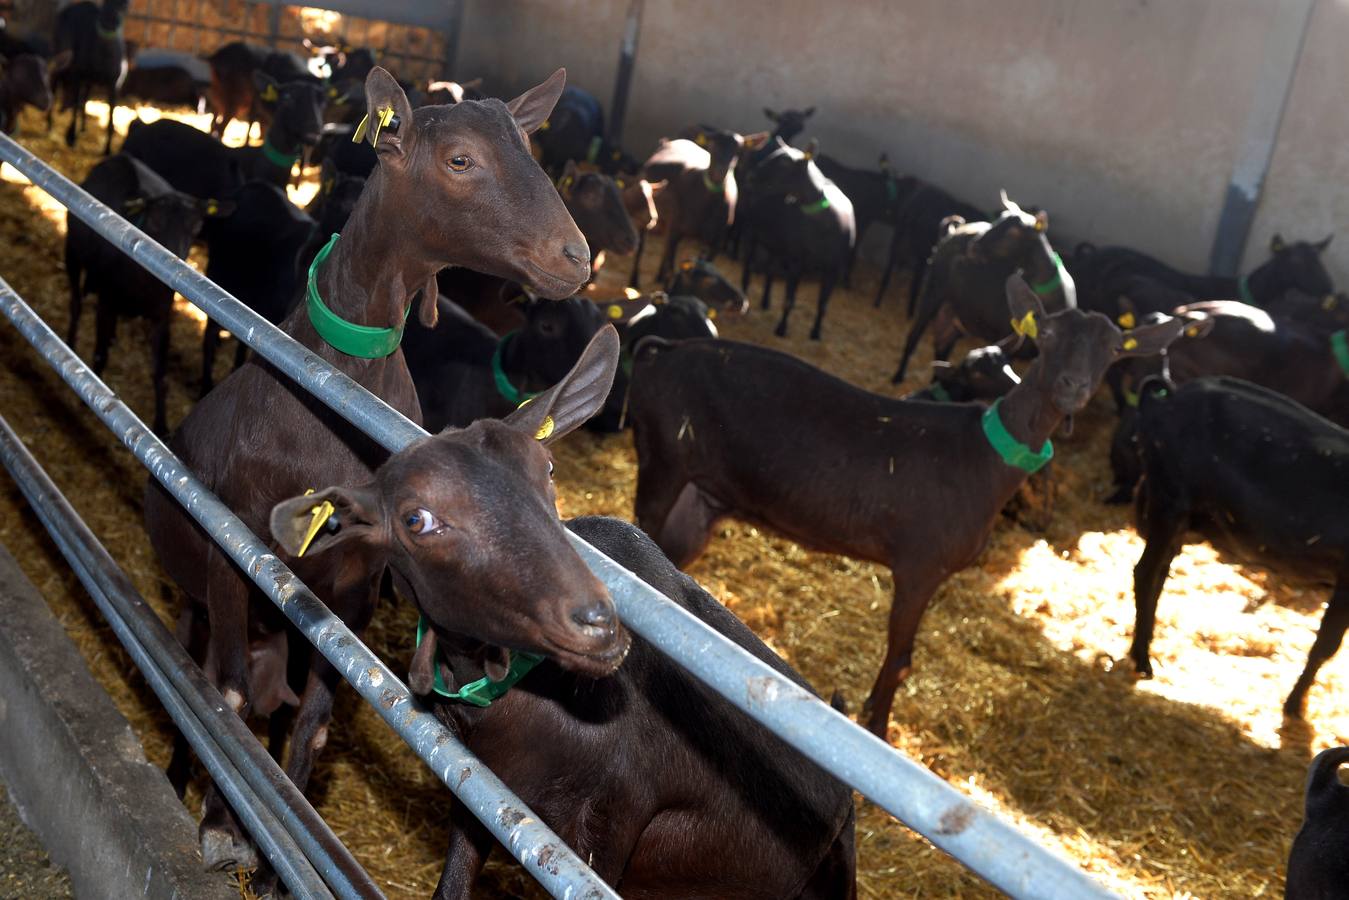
x=26 y=871
x=1186 y=785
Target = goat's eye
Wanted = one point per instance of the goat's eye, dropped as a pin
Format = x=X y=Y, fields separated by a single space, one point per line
x=550 y=468
x=460 y=163
x=422 y=521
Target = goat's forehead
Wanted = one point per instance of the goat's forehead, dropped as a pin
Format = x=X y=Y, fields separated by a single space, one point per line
x=489 y=118
x=453 y=459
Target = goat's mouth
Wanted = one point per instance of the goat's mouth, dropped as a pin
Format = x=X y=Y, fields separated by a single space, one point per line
x=1070 y=404
x=550 y=285
x=584 y=658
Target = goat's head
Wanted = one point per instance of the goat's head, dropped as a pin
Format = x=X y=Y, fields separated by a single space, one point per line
x=790 y=122
x=724 y=147
x=1298 y=265
x=459 y=183
x=467 y=523
x=596 y=204
x=296 y=107
x=700 y=278
x=1014 y=236
x=1077 y=347
x=984 y=374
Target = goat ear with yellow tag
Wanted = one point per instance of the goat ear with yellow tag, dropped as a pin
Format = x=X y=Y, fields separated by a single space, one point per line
x=580 y=394
x=389 y=122
x=266 y=87
x=316 y=521
x=1027 y=312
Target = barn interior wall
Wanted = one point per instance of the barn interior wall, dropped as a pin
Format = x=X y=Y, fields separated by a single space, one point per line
x=1124 y=119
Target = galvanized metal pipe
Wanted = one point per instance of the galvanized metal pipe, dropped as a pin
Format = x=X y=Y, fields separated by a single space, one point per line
x=265 y=779
x=544 y=855
x=983 y=842
x=104 y=583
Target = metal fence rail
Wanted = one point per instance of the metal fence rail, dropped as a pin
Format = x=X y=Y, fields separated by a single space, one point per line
x=219 y=748
x=544 y=855
x=980 y=840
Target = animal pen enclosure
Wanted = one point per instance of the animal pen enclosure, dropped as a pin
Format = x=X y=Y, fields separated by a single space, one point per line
x=1014 y=701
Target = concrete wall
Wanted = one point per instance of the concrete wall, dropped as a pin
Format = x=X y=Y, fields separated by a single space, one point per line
x=1122 y=117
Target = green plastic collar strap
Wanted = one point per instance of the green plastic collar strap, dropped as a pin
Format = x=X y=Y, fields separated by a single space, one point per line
x=819 y=205
x=1339 y=343
x=276 y=157
x=482 y=692
x=110 y=34
x=891 y=187
x=1130 y=397
x=593 y=151
x=713 y=186
x=508 y=391
x=363 y=341
x=1012 y=451
x=1053 y=284
x=1244 y=291
x=939 y=392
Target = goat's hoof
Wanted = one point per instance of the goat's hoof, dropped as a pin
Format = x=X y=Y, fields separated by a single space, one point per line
x=780 y=331
x=1142 y=670
x=815 y=335
x=222 y=849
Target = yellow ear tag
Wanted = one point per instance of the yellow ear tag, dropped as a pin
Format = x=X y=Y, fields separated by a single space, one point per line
x=701 y=140
x=1039 y=225
x=385 y=117
x=544 y=126
x=332 y=92
x=269 y=93
x=317 y=518
x=1329 y=302
x=615 y=311
x=545 y=430
x=1126 y=320
x=212 y=207
x=711 y=313
x=1192 y=331
x=1026 y=327
x=686 y=265
x=1130 y=344
x=631 y=293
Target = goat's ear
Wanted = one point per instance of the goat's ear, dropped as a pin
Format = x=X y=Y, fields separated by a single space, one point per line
x=769 y=114
x=1041 y=221
x=1028 y=313
x=532 y=108
x=473 y=84
x=1198 y=325
x=756 y=140
x=1128 y=315
x=808 y=112
x=300 y=527
x=565 y=406
x=1276 y=244
x=212 y=208
x=60 y=62
x=267 y=89
x=1323 y=244
x=1148 y=340
x=382 y=93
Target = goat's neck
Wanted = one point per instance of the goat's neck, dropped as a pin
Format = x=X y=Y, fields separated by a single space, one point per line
x=372 y=274
x=1040 y=267
x=1262 y=282
x=279 y=136
x=1028 y=413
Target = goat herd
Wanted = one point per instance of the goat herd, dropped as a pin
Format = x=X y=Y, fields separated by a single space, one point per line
x=1229 y=394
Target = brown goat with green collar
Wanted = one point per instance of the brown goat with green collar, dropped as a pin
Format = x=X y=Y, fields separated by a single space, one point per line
x=727 y=429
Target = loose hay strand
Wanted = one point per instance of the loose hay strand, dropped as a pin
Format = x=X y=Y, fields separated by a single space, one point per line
x=1187 y=785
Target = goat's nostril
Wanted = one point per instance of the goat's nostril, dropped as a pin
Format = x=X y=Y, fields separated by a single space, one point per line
x=577 y=253
x=599 y=615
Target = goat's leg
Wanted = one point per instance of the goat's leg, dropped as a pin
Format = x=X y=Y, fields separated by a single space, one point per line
x=191 y=634
x=945 y=334
x=916 y=276
x=889 y=268
x=112 y=114
x=210 y=340
x=636 y=278
x=78 y=92
x=222 y=842
x=927 y=311
x=73 y=276
x=105 y=331
x=767 y=301
x=747 y=266
x=687 y=529
x=1163 y=527
x=788 y=302
x=912 y=595
x=470 y=844
x=667 y=260
x=1328 y=639
x=159 y=361
x=826 y=289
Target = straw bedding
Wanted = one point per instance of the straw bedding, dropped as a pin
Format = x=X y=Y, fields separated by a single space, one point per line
x=1187 y=785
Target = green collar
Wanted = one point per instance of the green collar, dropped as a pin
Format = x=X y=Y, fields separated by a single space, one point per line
x=1053 y=284
x=939 y=392
x=891 y=187
x=482 y=692
x=1339 y=343
x=713 y=186
x=1130 y=397
x=1244 y=291
x=275 y=156
x=593 y=151
x=1012 y=451
x=364 y=341
x=508 y=391
x=109 y=34
x=819 y=205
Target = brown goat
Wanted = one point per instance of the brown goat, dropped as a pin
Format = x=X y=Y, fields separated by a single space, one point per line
x=726 y=429
x=455 y=186
x=658 y=782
